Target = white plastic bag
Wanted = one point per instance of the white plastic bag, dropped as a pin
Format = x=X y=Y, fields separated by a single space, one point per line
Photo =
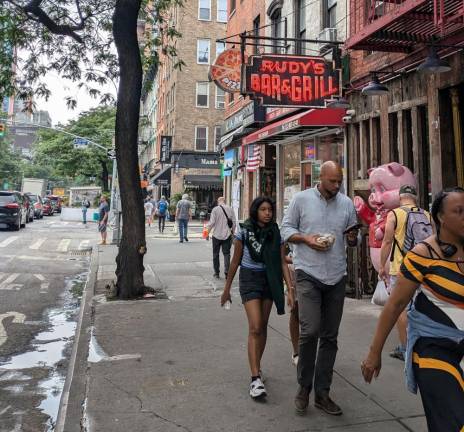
x=381 y=295
x=175 y=228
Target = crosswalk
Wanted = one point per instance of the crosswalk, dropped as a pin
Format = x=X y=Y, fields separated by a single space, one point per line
x=46 y=244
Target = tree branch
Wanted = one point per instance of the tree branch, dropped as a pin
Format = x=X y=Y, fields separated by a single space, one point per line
x=33 y=7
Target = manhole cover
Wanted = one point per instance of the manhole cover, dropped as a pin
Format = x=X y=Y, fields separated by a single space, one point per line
x=85 y=251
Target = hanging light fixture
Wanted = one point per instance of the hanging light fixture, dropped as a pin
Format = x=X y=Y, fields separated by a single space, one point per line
x=338 y=102
x=433 y=63
x=374 y=88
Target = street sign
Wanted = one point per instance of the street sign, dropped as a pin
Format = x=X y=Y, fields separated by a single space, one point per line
x=80 y=143
x=166 y=145
x=111 y=153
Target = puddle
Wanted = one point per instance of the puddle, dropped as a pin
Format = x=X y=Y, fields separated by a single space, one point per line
x=49 y=350
x=96 y=353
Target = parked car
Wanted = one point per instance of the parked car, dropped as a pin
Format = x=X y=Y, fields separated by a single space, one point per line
x=37 y=203
x=56 y=202
x=29 y=206
x=47 y=207
x=13 y=212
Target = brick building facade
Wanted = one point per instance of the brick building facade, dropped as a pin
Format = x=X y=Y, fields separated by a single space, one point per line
x=189 y=108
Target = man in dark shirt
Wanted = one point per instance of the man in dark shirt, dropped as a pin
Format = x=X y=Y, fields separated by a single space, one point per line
x=103 y=213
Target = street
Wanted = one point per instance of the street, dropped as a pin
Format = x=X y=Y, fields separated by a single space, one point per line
x=43 y=269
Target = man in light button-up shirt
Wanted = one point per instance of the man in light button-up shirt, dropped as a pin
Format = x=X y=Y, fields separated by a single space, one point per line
x=320 y=267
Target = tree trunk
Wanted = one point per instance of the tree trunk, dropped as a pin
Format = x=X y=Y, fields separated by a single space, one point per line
x=104 y=175
x=132 y=248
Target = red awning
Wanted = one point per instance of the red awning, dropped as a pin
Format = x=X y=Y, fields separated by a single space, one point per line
x=314 y=119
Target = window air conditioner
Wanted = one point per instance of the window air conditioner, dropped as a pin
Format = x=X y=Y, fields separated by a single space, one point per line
x=327 y=34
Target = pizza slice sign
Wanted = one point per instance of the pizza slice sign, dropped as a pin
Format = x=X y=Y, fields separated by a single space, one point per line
x=226 y=70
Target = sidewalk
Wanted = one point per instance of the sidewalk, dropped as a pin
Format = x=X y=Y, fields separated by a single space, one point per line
x=181 y=364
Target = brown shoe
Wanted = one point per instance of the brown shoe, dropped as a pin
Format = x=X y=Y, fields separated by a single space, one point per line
x=328 y=405
x=302 y=399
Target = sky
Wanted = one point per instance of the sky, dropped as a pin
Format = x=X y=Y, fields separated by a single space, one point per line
x=56 y=104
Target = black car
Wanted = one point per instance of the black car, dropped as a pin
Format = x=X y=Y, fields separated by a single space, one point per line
x=13 y=211
x=29 y=206
x=37 y=204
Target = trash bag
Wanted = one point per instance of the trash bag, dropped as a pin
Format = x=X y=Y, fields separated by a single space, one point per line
x=381 y=295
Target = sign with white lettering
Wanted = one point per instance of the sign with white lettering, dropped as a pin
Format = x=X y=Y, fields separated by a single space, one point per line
x=166 y=145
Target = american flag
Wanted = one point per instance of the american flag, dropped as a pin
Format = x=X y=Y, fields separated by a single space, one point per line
x=254 y=157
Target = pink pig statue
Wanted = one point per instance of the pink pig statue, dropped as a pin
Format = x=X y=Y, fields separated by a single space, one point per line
x=384 y=183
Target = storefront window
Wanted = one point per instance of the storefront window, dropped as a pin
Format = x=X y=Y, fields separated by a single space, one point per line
x=330 y=147
x=291 y=157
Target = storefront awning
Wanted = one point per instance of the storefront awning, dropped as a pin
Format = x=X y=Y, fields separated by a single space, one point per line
x=314 y=119
x=163 y=177
x=207 y=182
x=228 y=138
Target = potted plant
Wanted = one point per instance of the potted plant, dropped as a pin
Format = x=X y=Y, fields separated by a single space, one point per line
x=173 y=206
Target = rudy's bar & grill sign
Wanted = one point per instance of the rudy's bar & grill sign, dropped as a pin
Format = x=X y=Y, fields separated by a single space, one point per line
x=292 y=81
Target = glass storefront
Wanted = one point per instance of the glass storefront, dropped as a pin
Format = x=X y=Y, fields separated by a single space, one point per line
x=291 y=170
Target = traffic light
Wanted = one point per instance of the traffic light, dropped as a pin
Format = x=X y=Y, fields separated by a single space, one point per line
x=2 y=130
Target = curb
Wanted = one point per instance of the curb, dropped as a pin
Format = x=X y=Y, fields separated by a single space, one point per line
x=73 y=395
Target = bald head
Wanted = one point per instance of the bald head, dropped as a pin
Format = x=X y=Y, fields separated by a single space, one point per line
x=330 y=168
x=331 y=178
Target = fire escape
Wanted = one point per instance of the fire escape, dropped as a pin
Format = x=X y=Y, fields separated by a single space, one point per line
x=404 y=26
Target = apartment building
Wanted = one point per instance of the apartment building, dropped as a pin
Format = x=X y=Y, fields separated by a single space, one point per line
x=189 y=108
x=279 y=150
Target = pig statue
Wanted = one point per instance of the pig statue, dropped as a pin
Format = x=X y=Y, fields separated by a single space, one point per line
x=384 y=183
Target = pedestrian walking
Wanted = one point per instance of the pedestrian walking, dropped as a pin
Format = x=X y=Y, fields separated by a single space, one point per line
x=103 y=214
x=161 y=211
x=431 y=280
x=84 y=207
x=320 y=222
x=260 y=253
x=405 y=227
x=183 y=216
x=222 y=223
x=148 y=206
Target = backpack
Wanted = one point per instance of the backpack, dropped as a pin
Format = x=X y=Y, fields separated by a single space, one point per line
x=86 y=203
x=162 y=207
x=418 y=228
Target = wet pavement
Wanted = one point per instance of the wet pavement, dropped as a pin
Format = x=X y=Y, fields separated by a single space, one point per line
x=43 y=269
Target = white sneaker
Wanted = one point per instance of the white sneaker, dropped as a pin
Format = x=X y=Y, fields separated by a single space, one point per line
x=257 y=389
x=295 y=359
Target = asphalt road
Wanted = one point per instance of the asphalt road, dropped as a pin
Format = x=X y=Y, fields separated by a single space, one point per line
x=43 y=269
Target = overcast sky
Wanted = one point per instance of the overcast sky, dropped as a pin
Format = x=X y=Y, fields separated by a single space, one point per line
x=56 y=104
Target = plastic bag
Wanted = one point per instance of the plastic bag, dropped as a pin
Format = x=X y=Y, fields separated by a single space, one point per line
x=175 y=228
x=381 y=295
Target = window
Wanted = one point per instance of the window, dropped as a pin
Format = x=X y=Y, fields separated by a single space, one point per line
x=331 y=14
x=201 y=138
x=203 y=51
x=204 y=10
x=276 y=29
x=217 y=137
x=220 y=98
x=203 y=94
x=300 y=23
x=256 y=33
x=232 y=6
x=220 y=47
x=222 y=10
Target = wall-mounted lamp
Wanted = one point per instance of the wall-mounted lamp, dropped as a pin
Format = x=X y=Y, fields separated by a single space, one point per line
x=433 y=63
x=375 y=87
x=338 y=102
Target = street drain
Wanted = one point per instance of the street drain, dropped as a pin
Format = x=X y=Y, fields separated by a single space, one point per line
x=80 y=252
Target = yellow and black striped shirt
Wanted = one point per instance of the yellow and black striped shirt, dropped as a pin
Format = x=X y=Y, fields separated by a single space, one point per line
x=442 y=282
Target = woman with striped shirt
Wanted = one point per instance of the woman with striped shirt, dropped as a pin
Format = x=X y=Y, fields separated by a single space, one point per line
x=432 y=276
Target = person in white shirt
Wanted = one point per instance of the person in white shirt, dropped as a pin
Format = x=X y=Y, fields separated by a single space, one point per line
x=223 y=224
x=148 y=212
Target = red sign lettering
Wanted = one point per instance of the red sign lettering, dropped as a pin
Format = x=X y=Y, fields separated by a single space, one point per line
x=279 y=80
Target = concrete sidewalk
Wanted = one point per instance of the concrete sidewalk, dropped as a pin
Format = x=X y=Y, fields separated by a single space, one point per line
x=181 y=364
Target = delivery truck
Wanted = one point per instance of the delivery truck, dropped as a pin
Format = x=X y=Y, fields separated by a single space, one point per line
x=34 y=186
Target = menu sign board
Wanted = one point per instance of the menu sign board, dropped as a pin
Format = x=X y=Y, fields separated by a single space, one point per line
x=292 y=81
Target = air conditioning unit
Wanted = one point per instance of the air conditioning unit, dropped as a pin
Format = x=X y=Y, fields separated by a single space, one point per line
x=327 y=35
